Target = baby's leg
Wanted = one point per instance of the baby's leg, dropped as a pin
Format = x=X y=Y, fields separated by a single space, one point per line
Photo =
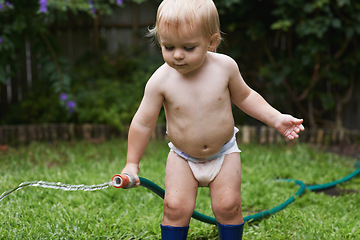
x=180 y=192
x=226 y=199
x=225 y=192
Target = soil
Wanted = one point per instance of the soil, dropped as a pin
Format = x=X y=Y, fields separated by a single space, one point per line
x=336 y=191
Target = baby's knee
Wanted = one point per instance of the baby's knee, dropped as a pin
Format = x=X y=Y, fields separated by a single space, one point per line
x=175 y=208
x=227 y=207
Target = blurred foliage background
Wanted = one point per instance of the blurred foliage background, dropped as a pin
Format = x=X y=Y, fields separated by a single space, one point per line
x=302 y=56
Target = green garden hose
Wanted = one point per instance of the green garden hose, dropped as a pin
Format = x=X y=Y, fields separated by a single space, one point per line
x=334 y=183
x=203 y=218
x=127 y=181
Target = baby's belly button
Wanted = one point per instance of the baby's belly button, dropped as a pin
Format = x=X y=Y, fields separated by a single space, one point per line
x=206 y=151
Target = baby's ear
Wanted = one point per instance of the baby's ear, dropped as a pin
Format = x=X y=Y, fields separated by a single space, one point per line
x=214 y=42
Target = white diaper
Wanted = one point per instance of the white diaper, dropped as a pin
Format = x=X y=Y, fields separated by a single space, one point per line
x=206 y=169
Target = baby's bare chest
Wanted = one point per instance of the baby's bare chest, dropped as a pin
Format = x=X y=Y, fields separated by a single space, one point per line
x=197 y=95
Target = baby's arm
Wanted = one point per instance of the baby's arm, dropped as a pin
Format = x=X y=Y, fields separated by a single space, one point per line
x=142 y=126
x=255 y=105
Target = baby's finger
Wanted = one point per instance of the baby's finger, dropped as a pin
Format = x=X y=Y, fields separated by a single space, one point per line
x=290 y=137
x=293 y=135
x=297 y=121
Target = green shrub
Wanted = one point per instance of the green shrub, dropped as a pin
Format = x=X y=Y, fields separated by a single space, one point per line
x=110 y=90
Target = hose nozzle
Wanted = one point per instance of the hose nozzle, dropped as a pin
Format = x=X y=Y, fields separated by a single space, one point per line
x=124 y=180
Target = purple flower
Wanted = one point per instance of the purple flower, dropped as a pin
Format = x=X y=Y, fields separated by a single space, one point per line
x=1 y=39
x=43 y=6
x=7 y=4
x=71 y=106
x=119 y=2
x=63 y=96
x=91 y=4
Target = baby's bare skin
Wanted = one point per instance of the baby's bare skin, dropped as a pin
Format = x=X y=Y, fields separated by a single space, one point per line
x=198 y=105
x=198 y=109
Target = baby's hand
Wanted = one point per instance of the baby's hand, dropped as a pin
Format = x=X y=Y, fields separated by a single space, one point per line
x=132 y=169
x=289 y=126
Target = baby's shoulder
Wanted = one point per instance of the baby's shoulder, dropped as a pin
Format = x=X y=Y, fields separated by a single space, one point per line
x=220 y=58
x=224 y=61
x=160 y=74
x=159 y=78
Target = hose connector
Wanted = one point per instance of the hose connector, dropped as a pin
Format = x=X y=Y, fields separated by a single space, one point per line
x=124 y=180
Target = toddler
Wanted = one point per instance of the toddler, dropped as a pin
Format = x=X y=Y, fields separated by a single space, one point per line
x=196 y=86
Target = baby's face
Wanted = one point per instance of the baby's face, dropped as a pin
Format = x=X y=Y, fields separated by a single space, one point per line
x=183 y=49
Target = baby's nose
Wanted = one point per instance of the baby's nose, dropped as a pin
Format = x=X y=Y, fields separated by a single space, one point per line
x=179 y=54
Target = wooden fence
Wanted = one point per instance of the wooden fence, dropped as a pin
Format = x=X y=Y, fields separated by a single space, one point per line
x=24 y=134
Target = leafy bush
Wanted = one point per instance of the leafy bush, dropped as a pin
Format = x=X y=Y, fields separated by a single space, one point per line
x=110 y=90
x=41 y=105
x=303 y=54
x=53 y=78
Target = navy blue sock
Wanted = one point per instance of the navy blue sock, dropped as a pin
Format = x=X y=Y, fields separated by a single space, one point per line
x=230 y=232
x=173 y=233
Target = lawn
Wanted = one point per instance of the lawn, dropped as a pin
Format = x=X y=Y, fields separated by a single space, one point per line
x=40 y=213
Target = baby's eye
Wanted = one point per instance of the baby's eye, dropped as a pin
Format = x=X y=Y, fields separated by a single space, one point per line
x=189 y=49
x=169 y=48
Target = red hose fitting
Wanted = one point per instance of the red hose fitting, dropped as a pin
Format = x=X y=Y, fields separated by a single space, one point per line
x=123 y=180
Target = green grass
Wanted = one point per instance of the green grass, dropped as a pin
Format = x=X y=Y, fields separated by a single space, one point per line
x=38 y=213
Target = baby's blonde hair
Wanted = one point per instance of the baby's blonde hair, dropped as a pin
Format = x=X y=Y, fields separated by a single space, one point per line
x=188 y=13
